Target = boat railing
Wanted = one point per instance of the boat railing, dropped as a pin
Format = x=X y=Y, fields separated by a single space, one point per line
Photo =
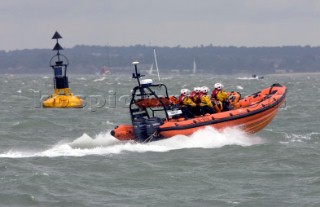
x=144 y=92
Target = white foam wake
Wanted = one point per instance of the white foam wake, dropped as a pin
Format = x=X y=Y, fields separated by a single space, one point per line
x=99 y=79
x=105 y=144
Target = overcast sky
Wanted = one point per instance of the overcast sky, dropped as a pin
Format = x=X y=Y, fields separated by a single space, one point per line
x=28 y=24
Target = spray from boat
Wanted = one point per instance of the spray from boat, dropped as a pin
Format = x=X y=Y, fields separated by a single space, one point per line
x=104 y=144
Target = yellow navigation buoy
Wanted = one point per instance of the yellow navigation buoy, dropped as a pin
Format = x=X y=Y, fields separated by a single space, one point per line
x=62 y=96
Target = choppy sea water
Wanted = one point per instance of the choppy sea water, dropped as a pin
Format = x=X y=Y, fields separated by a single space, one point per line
x=66 y=157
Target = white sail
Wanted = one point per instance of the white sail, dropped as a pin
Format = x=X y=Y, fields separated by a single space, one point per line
x=151 y=70
x=156 y=62
x=194 y=67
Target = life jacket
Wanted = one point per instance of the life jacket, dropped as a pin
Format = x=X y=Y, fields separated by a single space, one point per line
x=218 y=106
x=205 y=101
x=196 y=98
x=181 y=97
x=234 y=98
x=186 y=101
x=222 y=96
x=214 y=94
x=192 y=94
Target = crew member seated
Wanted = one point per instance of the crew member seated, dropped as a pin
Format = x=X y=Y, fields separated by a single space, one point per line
x=205 y=105
x=219 y=95
x=196 y=98
x=186 y=104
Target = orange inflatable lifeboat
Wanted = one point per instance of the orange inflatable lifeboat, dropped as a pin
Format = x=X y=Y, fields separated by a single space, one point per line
x=251 y=114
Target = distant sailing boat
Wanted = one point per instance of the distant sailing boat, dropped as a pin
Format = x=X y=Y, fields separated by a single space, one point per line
x=104 y=71
x=151 y=70
x=194 y=67
x=156 y=62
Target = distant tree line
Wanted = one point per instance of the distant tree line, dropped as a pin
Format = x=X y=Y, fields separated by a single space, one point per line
x=210 y=59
